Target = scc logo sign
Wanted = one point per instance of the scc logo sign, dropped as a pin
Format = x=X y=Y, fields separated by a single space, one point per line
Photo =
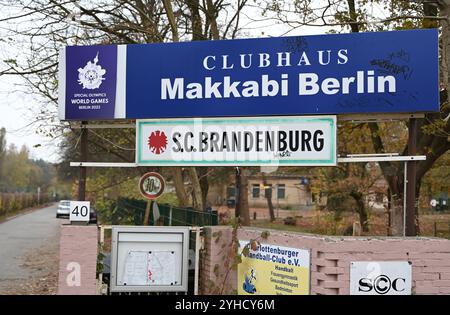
x=382 y=284
x=380 y=278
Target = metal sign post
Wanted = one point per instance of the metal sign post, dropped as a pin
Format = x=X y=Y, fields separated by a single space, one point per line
x=410 y=215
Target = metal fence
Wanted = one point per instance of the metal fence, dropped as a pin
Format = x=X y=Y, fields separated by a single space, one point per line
x=132 y=211
x=442 y=229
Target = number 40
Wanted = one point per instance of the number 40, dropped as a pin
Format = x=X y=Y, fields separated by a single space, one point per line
x=83 y=211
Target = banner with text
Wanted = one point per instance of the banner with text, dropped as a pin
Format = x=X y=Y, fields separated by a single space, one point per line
x=272 y=270
x=277 y=141
x=377 y=72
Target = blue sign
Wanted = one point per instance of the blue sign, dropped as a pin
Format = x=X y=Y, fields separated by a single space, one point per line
x=91 y=72
x=379 y=72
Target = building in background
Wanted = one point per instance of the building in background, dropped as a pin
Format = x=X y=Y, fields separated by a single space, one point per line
x=288 y=192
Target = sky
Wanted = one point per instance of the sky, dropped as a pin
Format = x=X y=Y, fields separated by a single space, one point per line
x=16 y=113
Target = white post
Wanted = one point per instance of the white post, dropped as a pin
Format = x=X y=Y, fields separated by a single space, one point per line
x=100 y=275
x=102 y=242
x=197 y=259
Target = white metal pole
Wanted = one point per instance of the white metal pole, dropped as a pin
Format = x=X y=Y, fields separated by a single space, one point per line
x=405 y=182
x=100 y=276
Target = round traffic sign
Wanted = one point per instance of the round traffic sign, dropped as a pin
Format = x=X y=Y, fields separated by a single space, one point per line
x=151 y=185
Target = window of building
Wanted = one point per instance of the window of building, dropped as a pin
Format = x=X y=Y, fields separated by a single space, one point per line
x=255 y=191
x=281 y=191
x=268 y=190
x=231 y=191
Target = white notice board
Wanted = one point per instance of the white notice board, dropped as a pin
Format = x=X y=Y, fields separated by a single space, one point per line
x=380 y=278
x=149 y=259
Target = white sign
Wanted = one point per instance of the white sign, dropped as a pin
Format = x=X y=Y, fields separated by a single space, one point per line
x=380 y=278
x=283 y=141
x=433 y=202
x=80 y=211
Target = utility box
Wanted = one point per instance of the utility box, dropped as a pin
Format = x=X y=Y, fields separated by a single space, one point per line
x=149 y=259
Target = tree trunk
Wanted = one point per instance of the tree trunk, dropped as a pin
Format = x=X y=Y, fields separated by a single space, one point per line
x=388 y=212
x=416 y=208
x=196 y=189
x=204 y=184
x=196 y=20
x=269 y=199
x=394 y=181
x=243 y=200
x=212 y=19
x=2 y=151
x=178 y=182
x=172 y=22
x=396 y=216
x=444 y=11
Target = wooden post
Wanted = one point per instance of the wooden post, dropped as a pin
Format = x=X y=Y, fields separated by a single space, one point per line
x=147 y=212
x=237 y=193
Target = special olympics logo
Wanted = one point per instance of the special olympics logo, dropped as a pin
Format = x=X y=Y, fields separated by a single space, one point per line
x=157 y=142
x=91 y=76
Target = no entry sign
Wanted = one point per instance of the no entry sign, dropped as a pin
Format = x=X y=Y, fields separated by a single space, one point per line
x=255 y=141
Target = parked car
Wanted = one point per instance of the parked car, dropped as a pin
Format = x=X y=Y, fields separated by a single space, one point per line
x=63 y=209
x=93 y=216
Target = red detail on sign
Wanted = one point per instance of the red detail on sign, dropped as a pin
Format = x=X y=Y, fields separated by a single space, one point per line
x=157 y=142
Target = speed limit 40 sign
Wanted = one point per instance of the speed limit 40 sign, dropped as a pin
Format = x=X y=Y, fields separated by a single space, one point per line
x=80 y=211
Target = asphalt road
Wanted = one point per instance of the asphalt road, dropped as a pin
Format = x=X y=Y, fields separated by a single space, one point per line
x=21 y=236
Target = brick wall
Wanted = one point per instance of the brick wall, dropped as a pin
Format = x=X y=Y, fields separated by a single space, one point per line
x=216 y=276
x=330 y=259
x=77 y=260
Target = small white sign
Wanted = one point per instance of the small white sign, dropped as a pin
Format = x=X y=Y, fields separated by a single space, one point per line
x=380 y=278
x=433 y=202
x=80 y=211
